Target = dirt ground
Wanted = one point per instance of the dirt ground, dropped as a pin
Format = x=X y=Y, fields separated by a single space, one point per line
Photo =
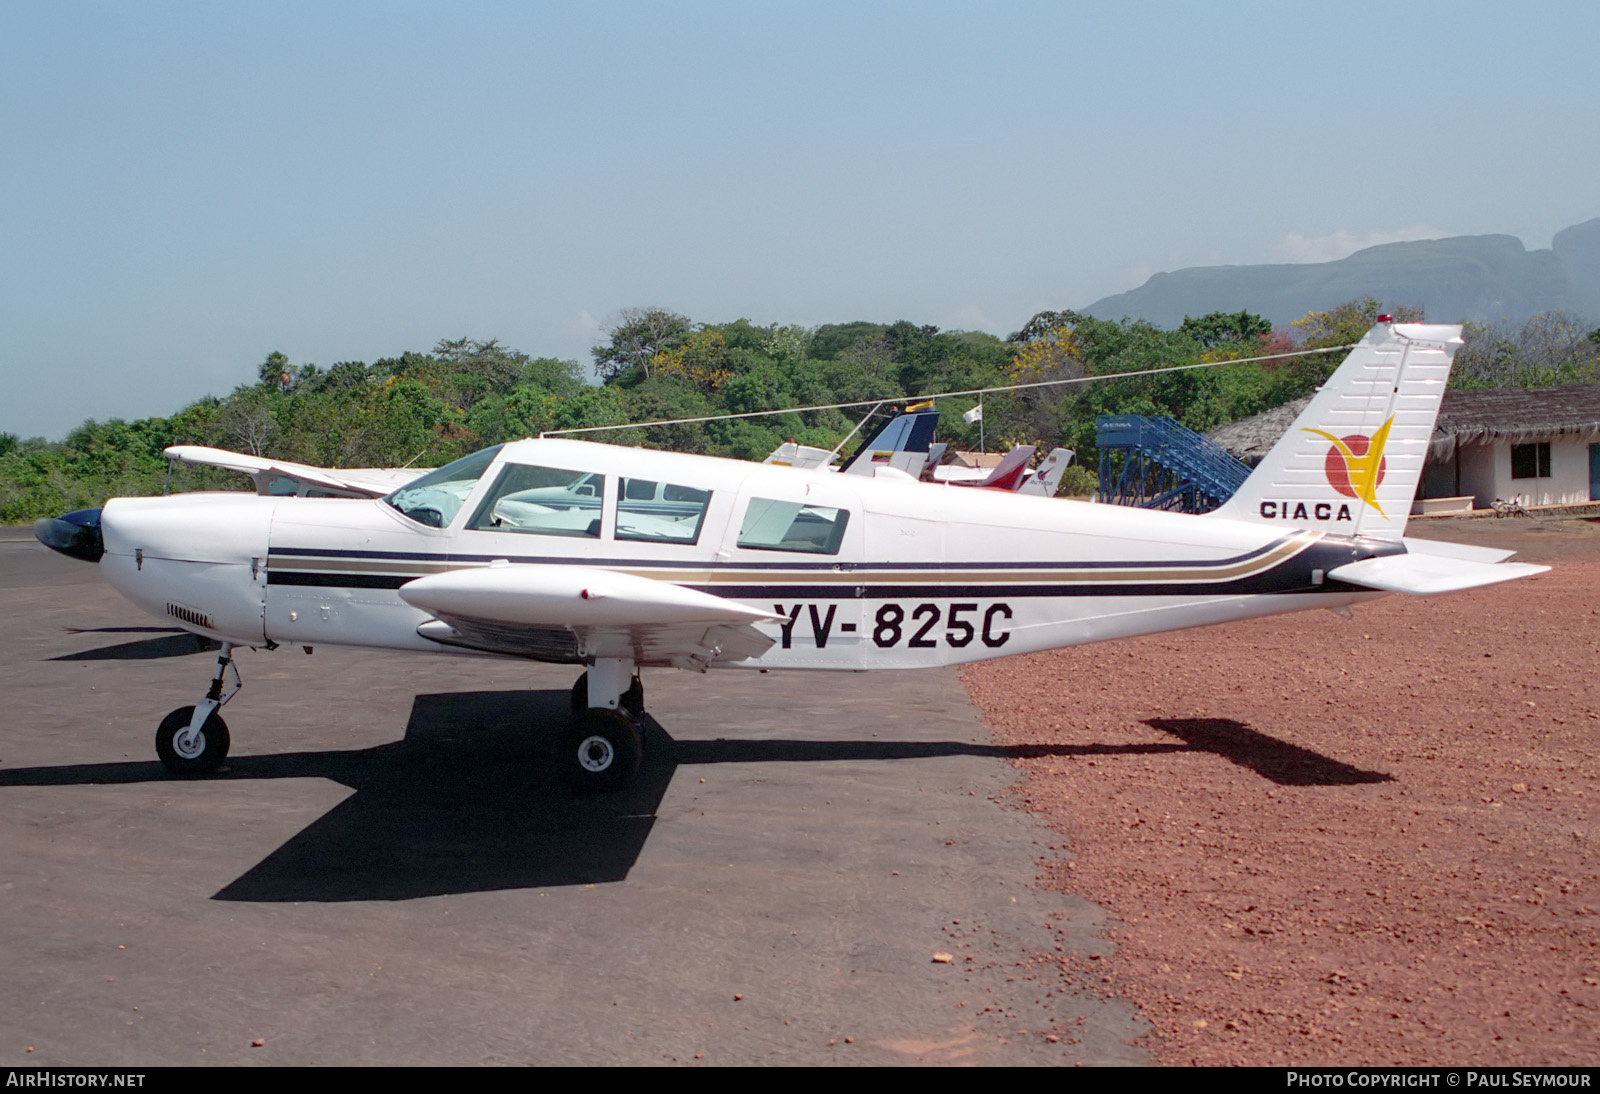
x=1338 y=842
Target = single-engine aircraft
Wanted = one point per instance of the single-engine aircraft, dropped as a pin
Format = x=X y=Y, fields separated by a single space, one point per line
x=619 y=559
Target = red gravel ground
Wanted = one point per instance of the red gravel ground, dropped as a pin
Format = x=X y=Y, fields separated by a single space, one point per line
x=1339 y=842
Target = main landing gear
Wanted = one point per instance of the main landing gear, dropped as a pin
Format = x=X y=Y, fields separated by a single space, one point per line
x=601 y=751
x=603 y=748
x=194 y=740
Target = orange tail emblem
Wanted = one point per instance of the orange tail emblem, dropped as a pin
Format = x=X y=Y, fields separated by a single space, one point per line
x=1355 y=464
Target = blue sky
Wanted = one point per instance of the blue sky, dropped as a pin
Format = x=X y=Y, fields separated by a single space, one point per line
x=186 y=187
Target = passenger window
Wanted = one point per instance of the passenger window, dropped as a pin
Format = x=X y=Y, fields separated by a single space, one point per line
x=792 y=526
x=544 y=501
x=661 y=513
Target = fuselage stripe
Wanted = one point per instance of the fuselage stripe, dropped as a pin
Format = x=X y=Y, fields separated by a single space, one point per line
x=1253 y=572
x=424 y=562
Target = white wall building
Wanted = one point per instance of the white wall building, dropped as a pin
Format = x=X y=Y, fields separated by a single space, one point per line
x=1533 y=446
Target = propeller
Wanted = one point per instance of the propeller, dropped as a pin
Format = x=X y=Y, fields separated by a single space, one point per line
x=75 y=534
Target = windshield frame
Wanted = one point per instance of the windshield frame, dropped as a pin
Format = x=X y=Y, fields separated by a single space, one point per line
x=444 y=487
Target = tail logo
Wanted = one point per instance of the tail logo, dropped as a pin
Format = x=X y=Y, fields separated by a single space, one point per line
x=1355 y=464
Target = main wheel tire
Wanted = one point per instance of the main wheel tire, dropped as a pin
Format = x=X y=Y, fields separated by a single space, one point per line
x=203 y=755
x=601 y=751
x=632 y=699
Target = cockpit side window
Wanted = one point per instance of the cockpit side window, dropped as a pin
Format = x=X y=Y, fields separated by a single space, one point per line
x=435 y=498
x=771 y=525
x=660 y=512
x=543 y=501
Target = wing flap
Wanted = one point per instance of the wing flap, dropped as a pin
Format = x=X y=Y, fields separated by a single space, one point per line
x=686 y=646
x=1425 y=575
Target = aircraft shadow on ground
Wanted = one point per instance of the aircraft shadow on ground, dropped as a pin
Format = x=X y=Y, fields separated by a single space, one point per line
x=175 y=642
x=471 y=799
x=1280 y=761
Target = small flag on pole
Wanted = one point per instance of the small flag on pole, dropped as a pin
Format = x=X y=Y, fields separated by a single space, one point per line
x=973 y=415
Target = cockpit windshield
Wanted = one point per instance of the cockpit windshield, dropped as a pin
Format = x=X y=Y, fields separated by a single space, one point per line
x=436 y=497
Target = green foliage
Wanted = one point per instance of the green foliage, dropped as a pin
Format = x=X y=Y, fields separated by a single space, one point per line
x=275 y=371
x=1077 y=481
x=1219 y=328
x=427 y=408
x=1551 y=348
x=639 y=335
x=833 y=339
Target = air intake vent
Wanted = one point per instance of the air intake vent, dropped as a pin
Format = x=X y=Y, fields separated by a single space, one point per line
x=190 y=616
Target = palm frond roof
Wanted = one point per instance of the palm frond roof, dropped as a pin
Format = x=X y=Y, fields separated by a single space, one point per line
x=1522 y=415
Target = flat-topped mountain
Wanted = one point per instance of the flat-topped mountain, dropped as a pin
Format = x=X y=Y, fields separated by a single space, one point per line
x=1463 y=278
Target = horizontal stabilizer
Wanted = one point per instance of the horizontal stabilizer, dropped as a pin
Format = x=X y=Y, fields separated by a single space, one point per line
x=1455 y=550
x=1424 y=575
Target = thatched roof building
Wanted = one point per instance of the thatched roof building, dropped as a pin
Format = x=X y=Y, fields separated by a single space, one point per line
x=1568 y=412
x=1249 y=439
x=1537 y=445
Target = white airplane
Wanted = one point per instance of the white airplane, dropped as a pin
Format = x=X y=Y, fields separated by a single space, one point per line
x=619 y=559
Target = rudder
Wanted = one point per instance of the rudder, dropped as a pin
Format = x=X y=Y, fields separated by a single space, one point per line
x=1352 y=461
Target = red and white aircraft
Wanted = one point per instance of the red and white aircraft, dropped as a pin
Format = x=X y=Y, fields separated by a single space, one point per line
x=619 y=559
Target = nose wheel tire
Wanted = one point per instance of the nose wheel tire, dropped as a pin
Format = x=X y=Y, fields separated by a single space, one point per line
x=601 y=751
x=198 y=754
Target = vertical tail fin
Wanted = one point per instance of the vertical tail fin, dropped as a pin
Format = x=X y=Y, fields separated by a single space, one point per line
x=1351 y=462
x=1047 y=477
x=1010 y=472
x=902 y=443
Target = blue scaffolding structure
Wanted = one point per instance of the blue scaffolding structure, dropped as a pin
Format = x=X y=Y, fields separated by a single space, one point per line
x=1157 y=463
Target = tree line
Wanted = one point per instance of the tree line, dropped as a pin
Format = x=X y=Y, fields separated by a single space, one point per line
x=424 y=409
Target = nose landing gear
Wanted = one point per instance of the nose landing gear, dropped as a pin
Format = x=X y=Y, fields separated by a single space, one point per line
x=194 y=740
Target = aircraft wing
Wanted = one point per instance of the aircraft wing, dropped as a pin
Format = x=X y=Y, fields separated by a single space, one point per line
x=574 y=613
x=364 y=482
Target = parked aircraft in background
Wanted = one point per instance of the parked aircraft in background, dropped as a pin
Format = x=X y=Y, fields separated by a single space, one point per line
x=905 y=446
x=619 y=559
